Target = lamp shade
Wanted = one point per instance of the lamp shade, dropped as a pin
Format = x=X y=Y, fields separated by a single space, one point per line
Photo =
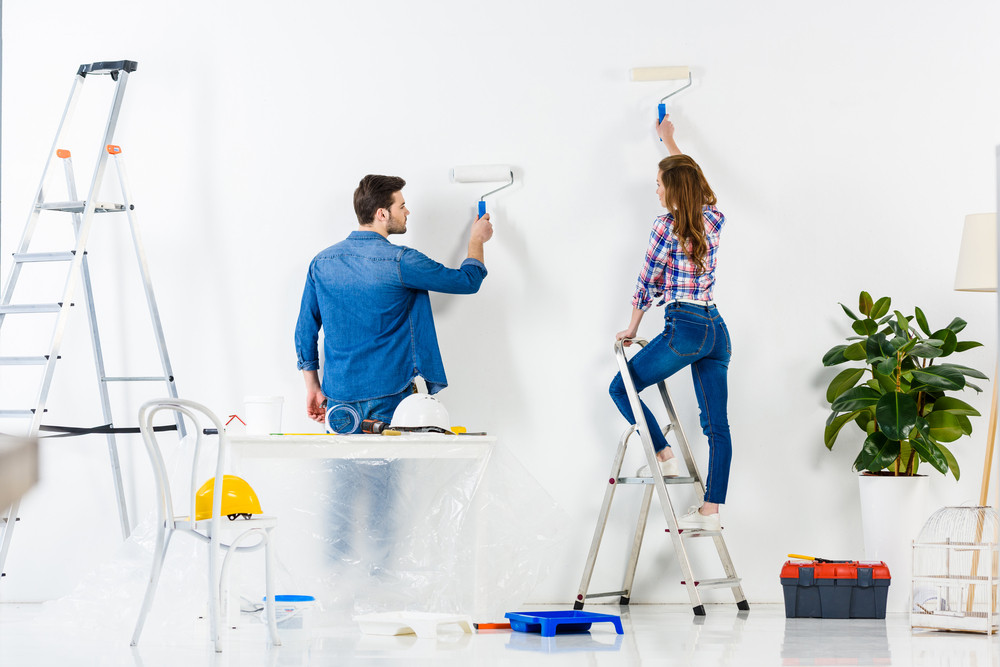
x=977 y=259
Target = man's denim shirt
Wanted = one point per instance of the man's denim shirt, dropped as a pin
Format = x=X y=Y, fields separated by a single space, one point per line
x=371 y=299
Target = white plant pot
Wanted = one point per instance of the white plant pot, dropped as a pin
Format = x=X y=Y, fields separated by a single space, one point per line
x=893 y=510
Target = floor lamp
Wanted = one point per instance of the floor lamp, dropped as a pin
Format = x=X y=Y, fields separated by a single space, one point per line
x=977 y=272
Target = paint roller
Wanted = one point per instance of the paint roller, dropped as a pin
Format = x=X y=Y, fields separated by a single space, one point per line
x=484 y=173
x=663 y=74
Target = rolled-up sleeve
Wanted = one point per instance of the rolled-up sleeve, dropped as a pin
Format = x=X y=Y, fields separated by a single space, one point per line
x=418 y=271
x=307 y=328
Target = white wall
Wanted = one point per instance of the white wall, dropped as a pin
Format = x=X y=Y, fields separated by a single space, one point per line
x=846 y=145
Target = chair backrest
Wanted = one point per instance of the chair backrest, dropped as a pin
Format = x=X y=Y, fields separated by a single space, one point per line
x=201 y=418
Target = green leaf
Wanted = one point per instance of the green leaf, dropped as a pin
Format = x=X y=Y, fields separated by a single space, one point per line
x=957 y=325
x=930 y=452
x=849 y=313
x=954 y=406
x=887 y=367
x=925 y=351
x=972 y=386
x=965 y=370
x=833 y=427
x=965 y=423
x=942 y=377
x=855 y=399
x=844 y=381
x=944 y=426
x=865 y=303
x=948 y=337
x=883 y=380
x=880 y=308
x=922 y=321
x=878 y=347
x=952 y=461
x=877 y=453
x=835 y=356
x=967 y=345
x=864 y=327
x=855 y=352
x=896 y=414
x=902 y=320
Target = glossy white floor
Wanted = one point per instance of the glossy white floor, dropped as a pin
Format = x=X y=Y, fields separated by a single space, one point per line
x=654 y=635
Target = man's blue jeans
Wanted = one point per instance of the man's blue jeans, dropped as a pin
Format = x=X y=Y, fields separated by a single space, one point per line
x=694 y=336
x=361 y=503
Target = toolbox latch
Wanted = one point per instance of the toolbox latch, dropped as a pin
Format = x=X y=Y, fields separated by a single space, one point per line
x=865 y=577
x=806 y=576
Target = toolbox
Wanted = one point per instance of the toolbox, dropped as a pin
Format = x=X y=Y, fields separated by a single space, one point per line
x=835 y=589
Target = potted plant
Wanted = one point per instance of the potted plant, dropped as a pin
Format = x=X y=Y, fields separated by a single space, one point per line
x=902 y=403
x=898 y=395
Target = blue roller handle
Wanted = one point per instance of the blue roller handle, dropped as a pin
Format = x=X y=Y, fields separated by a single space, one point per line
x=663 y=111
x=482 y=208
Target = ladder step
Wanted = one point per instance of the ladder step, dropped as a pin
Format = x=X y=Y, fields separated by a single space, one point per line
x=44 y=256
x=150 y=378
x=16 y=414
x=24 y=308
x=697 y=532
x=717 y=583
x=80 y=207
x=24 y=361
x=650 y=480
x=604 y=595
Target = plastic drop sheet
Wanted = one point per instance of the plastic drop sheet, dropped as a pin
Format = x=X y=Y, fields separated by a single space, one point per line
x=364 y=525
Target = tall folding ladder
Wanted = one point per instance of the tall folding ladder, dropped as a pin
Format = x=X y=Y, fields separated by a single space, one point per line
x=82 y=214
x=660 y=484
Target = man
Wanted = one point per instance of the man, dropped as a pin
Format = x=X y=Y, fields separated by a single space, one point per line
x=371 y=300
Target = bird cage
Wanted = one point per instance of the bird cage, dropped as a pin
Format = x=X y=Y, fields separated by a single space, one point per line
x=955 y=561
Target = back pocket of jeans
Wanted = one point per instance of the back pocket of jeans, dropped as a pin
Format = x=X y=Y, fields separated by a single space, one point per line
x=687 y=338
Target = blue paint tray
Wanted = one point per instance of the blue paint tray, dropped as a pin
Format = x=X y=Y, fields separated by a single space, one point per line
x=548 y=623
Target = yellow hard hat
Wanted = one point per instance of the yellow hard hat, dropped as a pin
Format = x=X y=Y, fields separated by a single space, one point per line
x=238 y=498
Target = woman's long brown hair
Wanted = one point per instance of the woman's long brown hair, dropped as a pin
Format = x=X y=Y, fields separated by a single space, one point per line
x=687 y=192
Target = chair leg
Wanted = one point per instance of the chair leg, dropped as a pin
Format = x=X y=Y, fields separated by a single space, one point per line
x=272 y=623
x=213 y=594
x=159 y=555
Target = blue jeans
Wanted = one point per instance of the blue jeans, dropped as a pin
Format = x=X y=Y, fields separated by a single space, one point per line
x=692 y=336
x=360 y=505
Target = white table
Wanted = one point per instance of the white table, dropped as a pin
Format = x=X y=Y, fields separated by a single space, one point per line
x=328 y=446
x=342 y=500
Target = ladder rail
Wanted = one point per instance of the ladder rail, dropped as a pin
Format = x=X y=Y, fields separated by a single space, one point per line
x=666 y=503
x=602 y=519
x=95 y=343
x=147 y=284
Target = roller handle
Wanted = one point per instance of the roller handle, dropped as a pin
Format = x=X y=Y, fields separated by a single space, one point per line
x=662 y=109
x=482 y=207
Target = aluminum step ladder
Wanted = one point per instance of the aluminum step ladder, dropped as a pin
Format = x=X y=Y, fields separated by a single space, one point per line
x=81 y=214
x=660 y=485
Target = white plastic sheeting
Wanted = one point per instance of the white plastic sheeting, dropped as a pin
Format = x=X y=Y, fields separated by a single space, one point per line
x=365 y=524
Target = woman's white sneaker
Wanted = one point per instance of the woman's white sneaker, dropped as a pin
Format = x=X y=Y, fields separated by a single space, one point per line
x=695 y=520
x=668 y=468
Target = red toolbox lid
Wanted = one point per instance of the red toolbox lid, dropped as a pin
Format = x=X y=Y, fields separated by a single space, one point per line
x=848 y=570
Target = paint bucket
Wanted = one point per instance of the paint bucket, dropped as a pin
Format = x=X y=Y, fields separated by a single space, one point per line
x=263 y=414
x=292 y=612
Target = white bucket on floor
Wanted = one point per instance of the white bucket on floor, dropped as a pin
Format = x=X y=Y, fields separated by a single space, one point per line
x=263 y=414
x=293 y=612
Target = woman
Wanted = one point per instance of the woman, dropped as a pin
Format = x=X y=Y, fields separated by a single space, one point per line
x=680 y=270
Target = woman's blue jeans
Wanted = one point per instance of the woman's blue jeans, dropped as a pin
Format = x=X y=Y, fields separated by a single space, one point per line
x=694 y=336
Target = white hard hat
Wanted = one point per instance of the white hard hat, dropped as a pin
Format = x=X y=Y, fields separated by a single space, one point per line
x=421 y=410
